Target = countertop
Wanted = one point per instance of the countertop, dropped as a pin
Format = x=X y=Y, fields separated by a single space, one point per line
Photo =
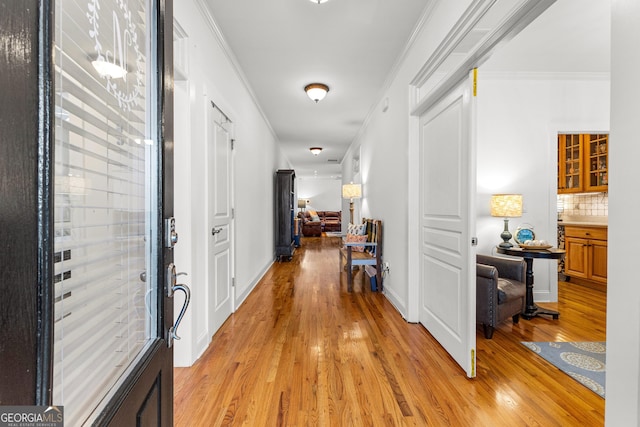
x=585 y=221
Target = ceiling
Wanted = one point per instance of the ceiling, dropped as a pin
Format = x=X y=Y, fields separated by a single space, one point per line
x=353 y=46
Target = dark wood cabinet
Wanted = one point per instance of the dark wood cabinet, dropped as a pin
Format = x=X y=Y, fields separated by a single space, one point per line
x=285 y=212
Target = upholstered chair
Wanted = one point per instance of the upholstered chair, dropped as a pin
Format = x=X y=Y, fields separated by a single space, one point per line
x=500 y=291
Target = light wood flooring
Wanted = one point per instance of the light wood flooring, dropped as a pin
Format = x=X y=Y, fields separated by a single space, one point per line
x=301 y=351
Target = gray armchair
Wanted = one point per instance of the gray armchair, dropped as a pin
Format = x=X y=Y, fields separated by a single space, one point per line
x=500 y=291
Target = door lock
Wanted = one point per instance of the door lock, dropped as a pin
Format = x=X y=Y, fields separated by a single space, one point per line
x=171 y=236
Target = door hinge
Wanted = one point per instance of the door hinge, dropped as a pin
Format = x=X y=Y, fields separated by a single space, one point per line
x=475 y=82
x=233 y=213
x=474 y=241
x=233 y=141
x=233 y=282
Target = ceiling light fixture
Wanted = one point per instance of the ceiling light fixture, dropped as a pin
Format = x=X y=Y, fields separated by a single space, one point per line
x=108 y=69
x=315 y=150
x=316 y=91
x=318 y=1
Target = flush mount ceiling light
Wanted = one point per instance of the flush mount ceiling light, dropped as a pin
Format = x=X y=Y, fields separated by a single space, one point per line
x=108 y=69
x=318 y=1
x=316 y=91
x=315 y=150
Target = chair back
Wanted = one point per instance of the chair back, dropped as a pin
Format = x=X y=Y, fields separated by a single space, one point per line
x=374 y=234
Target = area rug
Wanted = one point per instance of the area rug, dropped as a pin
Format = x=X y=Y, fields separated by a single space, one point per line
x=582 y=361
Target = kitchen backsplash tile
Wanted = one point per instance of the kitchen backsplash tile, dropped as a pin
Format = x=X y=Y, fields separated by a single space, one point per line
x=596 y=204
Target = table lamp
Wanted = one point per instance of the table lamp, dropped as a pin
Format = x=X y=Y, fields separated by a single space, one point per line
x=351 y=191
x=506 y=206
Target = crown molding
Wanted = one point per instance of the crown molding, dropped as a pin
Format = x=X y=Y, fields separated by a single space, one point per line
x=395 y=69
x=510 y=25
x=222 y=42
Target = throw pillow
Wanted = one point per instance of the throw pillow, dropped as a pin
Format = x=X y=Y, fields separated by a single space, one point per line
x=358 y=229
x=356 y=238
x=312 y=212
x=315 y=218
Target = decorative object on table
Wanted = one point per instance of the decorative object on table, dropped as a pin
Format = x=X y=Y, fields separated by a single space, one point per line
x=585 y=362
x=526 y=238
x=523 y=233
x=535 y=245
x=351 y=191
x=506 y=206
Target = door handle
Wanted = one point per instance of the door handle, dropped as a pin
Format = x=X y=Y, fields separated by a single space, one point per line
x=172 y=286
x=173 y=332
x=215 y=231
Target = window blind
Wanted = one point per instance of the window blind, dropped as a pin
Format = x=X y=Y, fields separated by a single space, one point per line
x=103 y=164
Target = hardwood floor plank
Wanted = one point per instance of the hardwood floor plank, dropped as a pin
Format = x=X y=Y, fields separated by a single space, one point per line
x=302 y=351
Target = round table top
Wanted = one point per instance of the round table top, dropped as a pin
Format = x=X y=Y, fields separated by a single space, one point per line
x=551 y=253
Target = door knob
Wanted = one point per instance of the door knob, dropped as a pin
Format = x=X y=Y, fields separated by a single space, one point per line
x=215 y=231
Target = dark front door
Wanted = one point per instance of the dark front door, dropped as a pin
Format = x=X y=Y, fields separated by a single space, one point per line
x=87 y=173
x=114 y=236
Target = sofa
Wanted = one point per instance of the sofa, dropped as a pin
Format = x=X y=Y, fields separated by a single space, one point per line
x=500 y=291
x=322 y=221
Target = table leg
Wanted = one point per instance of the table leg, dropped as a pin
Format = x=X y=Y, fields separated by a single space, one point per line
x=531 y=309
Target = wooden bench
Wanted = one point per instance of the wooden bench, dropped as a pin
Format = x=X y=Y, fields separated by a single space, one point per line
x=372 y=254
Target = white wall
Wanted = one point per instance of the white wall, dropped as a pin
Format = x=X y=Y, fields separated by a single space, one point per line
x=519 y=118
x=623 y=308
x=383 y=147
x=623 y=292
x=205 y=73
x=325 y=194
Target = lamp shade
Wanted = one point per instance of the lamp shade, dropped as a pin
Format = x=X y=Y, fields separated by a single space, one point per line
x=506 y=205
x=302 y=203
x=351 y=191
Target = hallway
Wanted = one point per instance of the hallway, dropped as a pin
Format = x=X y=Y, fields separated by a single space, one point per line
x=301 y=351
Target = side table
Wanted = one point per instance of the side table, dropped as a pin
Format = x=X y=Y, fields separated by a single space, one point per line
x=531 y=309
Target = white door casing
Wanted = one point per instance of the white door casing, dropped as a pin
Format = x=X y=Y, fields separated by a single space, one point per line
x=447 y=223
x=220 y=221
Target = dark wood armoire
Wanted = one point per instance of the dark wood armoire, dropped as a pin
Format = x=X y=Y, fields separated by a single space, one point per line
x=285 y=206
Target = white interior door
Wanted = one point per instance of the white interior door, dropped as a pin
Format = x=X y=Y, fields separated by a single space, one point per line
x=447 y=224
x=220 y=221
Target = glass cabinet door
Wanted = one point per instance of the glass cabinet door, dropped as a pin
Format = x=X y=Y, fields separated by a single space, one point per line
x=597 y=178
x=570 y=163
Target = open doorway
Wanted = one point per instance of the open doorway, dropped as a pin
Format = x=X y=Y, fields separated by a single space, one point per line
x=522 y=106
x=551 y=79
